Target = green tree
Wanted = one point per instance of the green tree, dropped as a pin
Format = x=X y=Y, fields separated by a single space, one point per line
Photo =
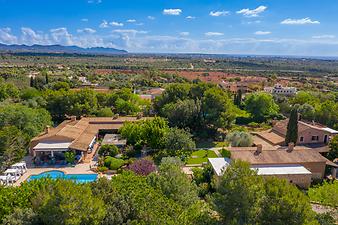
x=60 y=85
x=325 y=193
x=68 y=203
x=8 y=90
x=261 y=106
x=105 y=112
x=70 y=157
x=32 y=83
x=326 y=219
x=30 y=121
x=238 y=98
x=307 y=111
x=119 y=208
x=150 y=206
x=284 y=204
x=174 y=184
x=333 y=153
x=83 y=102
x=153 y=132
x=183 y=113
x=198 y=106
x=149 y=132
x=292 y=128
x=13 y=145
x=178 y=139
x=108 y=150
x=21 y=216
x=239 y=194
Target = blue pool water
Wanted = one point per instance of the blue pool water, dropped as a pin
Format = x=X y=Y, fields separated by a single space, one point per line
x=56 y=174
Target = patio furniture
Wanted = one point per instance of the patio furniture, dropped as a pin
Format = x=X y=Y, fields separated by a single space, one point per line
x=4 y=180
x=15 y=173
x=20 y=166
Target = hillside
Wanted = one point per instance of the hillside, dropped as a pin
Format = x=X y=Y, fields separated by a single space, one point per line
x=59 y=49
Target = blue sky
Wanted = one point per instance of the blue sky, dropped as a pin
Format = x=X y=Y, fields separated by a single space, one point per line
x=276 y=27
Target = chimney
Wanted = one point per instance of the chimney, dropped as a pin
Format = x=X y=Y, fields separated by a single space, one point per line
x=73 y=118
x=259 y=149
x=47 y=129
x=291 y=146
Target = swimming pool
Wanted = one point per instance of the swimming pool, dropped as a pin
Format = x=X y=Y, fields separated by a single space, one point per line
x=56 y=174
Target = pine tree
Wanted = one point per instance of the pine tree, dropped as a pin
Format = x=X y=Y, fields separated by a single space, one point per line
x=292 y=129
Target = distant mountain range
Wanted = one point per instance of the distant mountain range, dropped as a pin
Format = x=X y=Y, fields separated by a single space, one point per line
x=59 y=49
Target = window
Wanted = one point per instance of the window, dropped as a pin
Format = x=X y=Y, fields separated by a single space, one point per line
x=301 y=139
x=315 y=138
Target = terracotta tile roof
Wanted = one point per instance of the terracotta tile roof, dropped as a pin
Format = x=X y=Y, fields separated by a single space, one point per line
x=81 y=132
x=271 y=137
x=278 y=156
x=281 y=126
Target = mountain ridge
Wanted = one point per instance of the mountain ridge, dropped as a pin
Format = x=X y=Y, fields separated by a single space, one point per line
x=15 y=48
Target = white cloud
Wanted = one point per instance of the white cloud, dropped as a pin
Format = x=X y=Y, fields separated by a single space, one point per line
x=131 y=21
x=141 y=41
x=252 y=12
x=303 y=21
x=94 y=1
x=84 y=20
x=104 y=24
x=86 y=30
x=7 y=37
x=150 y=17
x=252 y=22
x=213 y=34
x=130 y=31
x=190 y=17
x=31 y=37
x=61 y=36
x=219 y=13
x=172 y=12
x=262 y=32
x=116 y=24
x=184 y=34
x=324 y=36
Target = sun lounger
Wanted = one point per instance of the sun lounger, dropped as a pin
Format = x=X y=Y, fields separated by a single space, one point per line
x=20 y=166
x=15 y=173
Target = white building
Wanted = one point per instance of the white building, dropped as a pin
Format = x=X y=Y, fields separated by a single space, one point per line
x=280 y=90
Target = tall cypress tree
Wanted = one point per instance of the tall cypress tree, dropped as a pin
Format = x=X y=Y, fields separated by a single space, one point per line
x=238 y=98
x=47 y=78
x=32 y=82
x=292 y=129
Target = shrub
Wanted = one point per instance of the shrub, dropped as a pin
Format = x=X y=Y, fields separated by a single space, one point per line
x=142 y=166
x=225 y=153
x=113 y=163
x=240 y=139
x=109 y=150
x=326 y=194
x=116 y=163
x=102 y=169
x=70 y=157
x=130 y=151
x=253 y=124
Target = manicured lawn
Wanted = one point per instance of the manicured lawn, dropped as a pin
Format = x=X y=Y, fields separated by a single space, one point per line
x=201 y=156
x=211 y=144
